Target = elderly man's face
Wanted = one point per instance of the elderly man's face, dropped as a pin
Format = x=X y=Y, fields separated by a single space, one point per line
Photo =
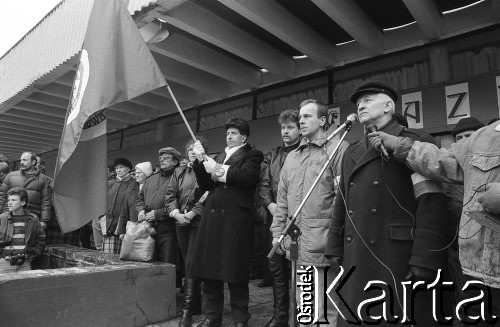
x=372 y=107
x=234 y=138
x=167 y=161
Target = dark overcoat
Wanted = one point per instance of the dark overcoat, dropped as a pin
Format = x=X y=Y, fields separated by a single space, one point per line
x=224 y=244
x=396 y=228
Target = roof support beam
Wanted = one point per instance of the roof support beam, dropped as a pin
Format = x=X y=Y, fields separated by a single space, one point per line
x=5 y=125
x=25 y=140
x=20 y=148
x=198 y=55
x=67 y=79
x=35 y=116
x=202 y=23
x=281 y=23
x=192 y=77
x=57 y=128
x=48 y=100
x=60 y=91
x=30 y=135
x=40 y=109
x=427 y=16
x=355 y=22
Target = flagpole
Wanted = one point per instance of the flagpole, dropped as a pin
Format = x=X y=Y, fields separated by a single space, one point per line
x=180 y=111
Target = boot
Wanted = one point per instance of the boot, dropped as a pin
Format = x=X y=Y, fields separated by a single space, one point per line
x=192 y=302
x=281 y=303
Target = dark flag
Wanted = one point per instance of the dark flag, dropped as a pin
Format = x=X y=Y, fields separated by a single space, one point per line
x=115 y=65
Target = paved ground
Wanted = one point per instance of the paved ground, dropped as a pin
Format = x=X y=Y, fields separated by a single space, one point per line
x=261 y=308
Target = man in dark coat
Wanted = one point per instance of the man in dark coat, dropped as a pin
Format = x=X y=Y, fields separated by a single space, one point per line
x=268 y=189
x=224 y=246
x=36 y=184
x=150 y=205
x=381 y=228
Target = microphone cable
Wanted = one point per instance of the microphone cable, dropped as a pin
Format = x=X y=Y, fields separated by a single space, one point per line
x=370 y=250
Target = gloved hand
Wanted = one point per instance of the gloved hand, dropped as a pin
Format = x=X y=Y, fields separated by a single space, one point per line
x=209 y=164
x=335 y=263
x=377 y=138
x=490 y=199
x=198 y=150
x=419 y=273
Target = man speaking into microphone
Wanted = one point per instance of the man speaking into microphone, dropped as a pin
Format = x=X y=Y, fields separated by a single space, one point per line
x=299 y=171
x=382 y=225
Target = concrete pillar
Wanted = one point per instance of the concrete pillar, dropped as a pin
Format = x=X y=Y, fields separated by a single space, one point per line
x=439 y=64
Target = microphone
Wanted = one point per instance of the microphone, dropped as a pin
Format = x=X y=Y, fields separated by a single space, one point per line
x=372 y=128
x=351 y=119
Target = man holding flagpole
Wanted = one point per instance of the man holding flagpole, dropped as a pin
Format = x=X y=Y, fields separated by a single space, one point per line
x=115 y=66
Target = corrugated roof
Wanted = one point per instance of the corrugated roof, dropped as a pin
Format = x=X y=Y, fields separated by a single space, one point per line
x=53 y=41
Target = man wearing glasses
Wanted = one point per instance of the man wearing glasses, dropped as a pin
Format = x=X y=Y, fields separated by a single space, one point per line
x=150 y=205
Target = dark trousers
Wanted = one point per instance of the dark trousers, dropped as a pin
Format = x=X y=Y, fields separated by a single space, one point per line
x=186 y=237
x=280 y=268
x=267 y=244
x=213 y=291
x=165 y=247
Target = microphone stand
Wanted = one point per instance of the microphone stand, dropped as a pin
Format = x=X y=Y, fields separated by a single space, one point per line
x=292 y=229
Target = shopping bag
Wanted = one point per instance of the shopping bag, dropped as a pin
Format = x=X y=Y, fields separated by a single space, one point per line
x=137 y=244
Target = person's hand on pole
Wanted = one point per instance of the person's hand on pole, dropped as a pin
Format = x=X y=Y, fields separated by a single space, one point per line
x=199 y=151
x=209 y=164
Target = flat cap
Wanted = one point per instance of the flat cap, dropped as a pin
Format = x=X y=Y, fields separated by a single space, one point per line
x=466 y=124
x=374 y=87
x=169 y=150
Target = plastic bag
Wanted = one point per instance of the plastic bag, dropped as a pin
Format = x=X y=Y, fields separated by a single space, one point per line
x=138 y=245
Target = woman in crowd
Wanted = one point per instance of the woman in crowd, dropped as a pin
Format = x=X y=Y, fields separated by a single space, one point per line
x=119 y=190
x=184 y=203
x=142 y=171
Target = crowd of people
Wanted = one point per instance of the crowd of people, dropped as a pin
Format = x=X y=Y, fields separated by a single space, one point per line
x=378 y=208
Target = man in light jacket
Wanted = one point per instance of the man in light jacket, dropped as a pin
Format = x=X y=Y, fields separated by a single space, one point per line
x=299 y=171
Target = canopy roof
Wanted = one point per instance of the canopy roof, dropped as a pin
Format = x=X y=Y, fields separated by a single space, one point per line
x=215 y=49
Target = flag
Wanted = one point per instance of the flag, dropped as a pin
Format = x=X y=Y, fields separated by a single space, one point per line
x=115 y=65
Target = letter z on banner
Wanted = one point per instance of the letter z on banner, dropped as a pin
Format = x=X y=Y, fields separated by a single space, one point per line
x=457 y=102
x=412 y=109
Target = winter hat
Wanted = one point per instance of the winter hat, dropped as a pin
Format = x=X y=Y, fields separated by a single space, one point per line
x=467 y=124
x=146 y=167
x=169 y=150
x=123 y=162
